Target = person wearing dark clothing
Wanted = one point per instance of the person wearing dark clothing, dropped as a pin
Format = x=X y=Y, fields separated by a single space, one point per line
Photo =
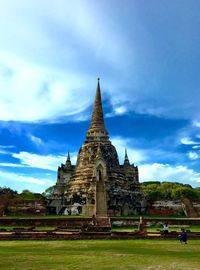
x=183 y=236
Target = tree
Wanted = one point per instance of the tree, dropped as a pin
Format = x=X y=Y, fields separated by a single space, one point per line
x=7 y=190
x=155 y=190
x=48 y=192
x=27 y=195
x=185 y=192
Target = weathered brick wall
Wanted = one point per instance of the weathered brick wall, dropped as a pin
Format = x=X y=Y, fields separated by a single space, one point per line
x=76 y=222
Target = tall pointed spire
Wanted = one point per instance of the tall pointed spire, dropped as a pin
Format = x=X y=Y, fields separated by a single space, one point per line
x=126 y=160
x=97 y=115
x=68 y=161
x=97 y=129
x=68 y=157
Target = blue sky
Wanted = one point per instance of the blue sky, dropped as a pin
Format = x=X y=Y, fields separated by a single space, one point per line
x=147 y=56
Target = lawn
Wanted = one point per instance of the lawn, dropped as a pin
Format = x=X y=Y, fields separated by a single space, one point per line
x=177 y=228
x=100 y=254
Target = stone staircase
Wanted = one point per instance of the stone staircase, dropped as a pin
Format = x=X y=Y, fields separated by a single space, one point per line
x=188 y=208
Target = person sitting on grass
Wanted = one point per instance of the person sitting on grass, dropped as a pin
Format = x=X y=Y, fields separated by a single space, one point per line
x=183 y=236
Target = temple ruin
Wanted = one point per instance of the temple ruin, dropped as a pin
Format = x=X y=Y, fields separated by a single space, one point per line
x=97 y=185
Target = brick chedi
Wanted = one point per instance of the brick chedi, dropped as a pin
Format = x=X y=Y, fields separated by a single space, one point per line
x=98 y=184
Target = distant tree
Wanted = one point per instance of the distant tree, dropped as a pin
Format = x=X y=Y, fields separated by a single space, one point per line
x=155 y=190
x=152 y=191
x=198 y=192
x=7 y=190
x=185 y=192
x=48 y=192
x=27 y=195
x=150 y=183
x=6 y=195
x=155 y=195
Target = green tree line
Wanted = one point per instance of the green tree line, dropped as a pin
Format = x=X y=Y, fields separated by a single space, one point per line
x=156 y=190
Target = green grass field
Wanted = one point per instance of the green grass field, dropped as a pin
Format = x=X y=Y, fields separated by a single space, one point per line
x=100 y=254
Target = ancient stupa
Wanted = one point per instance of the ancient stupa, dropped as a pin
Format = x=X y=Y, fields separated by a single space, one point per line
x=97 y=185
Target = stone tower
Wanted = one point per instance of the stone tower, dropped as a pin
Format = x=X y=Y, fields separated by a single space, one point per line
x=98 y=184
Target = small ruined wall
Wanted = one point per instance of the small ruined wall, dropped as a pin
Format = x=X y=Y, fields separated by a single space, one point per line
x=171 y=208
x=166 y=208
x=76 y=222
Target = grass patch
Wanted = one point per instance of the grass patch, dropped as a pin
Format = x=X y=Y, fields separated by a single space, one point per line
x=176 y=228
x=100 y=254
x=192 y=228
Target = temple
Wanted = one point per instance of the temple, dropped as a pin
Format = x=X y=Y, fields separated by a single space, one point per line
x=97 y=185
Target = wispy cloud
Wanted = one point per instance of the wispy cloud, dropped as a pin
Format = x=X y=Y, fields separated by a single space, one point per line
x=47 y=162
x=12 y=165
x=57 y=87
x=196 y=146
x=193 y=155
x=7 y=146
x=36 y=140
x=188 y=141
x=48 y=95
x=14 y=177
x=5 y=149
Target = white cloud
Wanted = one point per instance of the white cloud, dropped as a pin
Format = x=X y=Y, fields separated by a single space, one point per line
x=6 y=146
x=120 y=110
x=188 y=141
x=193 y=155
x=36 y=140
x=13 y=165
x=196 y=146
x=51 y=93
x=14 y=177
x=4 y=149
x=166 y=172
x=48 y=162
x=42 y=73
